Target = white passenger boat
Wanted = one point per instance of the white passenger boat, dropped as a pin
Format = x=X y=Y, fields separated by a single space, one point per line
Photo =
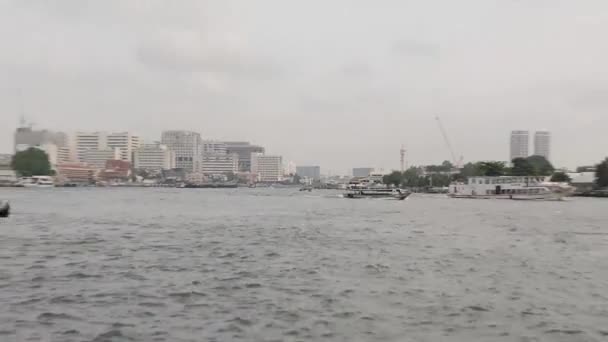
x=398 y=194
x=37 y=182
x=507 y=187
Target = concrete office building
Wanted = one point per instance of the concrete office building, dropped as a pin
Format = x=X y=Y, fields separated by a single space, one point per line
x=97 y=158
x=54 y=144
x=211 y=146
x=85 y=141
x=542 y=144
x=26 y=137
x=219 y=163
x=267 y=168
x=362 y=171
x=244 y=150
x=187 y=148
x=7 y=175
x=519 y=145
x=65 y=155
x=126 y=142
x=310 y=172
x=153 y=157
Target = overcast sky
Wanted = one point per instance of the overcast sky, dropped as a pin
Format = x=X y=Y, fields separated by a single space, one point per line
x=336 y=83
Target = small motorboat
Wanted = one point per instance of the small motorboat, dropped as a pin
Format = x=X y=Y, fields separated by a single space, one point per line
x=5 y=208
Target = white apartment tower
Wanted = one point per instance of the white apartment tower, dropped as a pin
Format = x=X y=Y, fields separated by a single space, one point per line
x=267 y=168
x=542 y=144
x=187 y=148
x=519 y=144
x=85 y=141
x=154 y=157
x=125 y=142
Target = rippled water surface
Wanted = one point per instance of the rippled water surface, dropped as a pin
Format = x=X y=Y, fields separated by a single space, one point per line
x=280 y=265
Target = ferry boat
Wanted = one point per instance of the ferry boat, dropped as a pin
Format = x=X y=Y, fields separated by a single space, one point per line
x=510 y=187
x=398 y=194
x=37 y=182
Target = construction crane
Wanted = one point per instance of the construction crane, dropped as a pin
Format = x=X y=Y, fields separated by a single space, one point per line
x=457 y=162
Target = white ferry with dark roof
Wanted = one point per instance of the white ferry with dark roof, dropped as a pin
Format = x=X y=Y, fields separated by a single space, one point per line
x=510 y=187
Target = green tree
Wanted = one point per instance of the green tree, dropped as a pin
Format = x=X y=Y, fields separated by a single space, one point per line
x=412 y=178
x=601 y=173
x=491 y=168
x=447 y=166
x=522 y=167
x=296 y=179
x=440 y=180
x=541 y=166
x=468 y=170
x=394 y=178
x=31 y=162
x=560 y=177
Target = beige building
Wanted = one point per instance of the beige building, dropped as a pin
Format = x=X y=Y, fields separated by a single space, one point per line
x=219 y=163
x=187 y=146
x=154 y=157
x=126 y=142
x=542 y=144
x=97 y=158
x=267 y=168
x=520 y=141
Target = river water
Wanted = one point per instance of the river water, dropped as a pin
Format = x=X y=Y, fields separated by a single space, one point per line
x=280 y=265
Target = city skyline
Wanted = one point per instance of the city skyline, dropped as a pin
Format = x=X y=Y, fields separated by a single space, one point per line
x=238 y=70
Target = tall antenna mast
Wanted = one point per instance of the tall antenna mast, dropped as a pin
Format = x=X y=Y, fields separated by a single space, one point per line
x=22 y=121
x=402 y=152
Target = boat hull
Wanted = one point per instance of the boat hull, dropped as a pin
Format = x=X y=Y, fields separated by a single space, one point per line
x=539 y=197
x=38 y=185
x=5 y=209
x=383 y=195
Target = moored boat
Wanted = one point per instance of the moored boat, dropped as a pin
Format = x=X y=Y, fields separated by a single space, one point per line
x=398 y=194
x=37 y=182
x=5 y=208
x=510 y=187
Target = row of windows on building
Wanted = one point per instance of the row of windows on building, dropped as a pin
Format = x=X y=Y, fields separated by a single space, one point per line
x=531 y=191
x=506 y=180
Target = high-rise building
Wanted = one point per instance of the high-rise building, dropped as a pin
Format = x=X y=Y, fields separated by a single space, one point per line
x=154 y=157
x=244 y=150
x=362 y=171
x=26 y=137
x=211 y=146
x=519 y=144
x=7 y=174
x=542 y=144
x=84 y=141
x=267 y=168
x=187 y=148
x=126 y=142
x=219 y=163
x=310 y=172
x=98 y=158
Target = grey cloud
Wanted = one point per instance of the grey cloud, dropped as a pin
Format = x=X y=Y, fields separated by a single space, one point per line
x=357 y=70
x=196 y=55
x=413 y=48
x=272 y=71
